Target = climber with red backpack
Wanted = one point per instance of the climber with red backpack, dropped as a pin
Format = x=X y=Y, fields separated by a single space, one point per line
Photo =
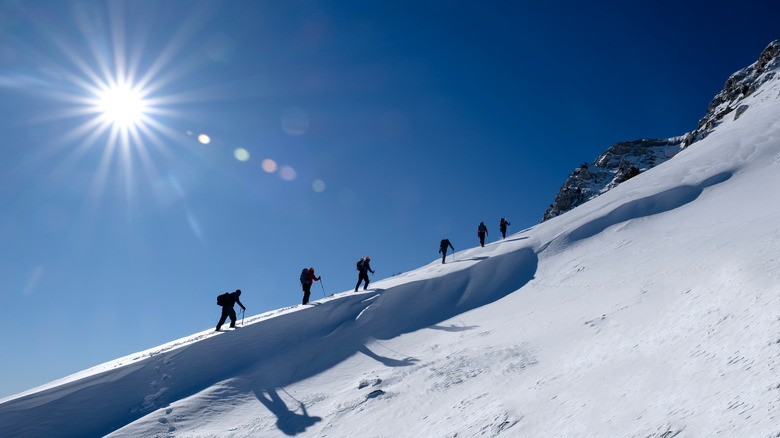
x=307 y=279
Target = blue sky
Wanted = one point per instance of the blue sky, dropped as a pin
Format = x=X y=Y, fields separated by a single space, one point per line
x=386 y=125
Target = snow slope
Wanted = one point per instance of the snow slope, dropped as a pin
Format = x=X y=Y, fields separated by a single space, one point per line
x=650 y=311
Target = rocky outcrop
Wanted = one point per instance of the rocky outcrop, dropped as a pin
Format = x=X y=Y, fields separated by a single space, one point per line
x=625 y=160
x=617 y=164
x=739 y=86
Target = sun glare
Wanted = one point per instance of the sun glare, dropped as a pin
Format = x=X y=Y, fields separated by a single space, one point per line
x=121 y=106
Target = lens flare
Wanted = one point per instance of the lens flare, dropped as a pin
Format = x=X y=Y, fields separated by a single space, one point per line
x=114 y=103
x=269 y=165
x=287 y=173
x=241 y=154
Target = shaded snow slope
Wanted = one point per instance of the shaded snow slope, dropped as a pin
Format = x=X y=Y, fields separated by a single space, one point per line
x=650 y=311
x=283 y=348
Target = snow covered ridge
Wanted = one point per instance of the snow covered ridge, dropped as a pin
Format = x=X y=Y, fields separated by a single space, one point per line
x=738 y=87
x=627 y=159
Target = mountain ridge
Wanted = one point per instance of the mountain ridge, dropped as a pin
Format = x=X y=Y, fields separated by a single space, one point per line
x=625 y=160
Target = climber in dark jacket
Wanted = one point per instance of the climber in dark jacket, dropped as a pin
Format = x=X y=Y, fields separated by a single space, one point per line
x=227 y=309
x=482 y=232
x=363 y=267
x=443 y=248
x=502 y=226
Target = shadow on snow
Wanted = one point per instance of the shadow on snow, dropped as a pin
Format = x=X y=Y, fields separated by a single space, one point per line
x=648 y=206
x=272 y=353
x=288 y=422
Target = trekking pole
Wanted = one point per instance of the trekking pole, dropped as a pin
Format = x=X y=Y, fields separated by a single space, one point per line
x=243 y=313
x=323 y=288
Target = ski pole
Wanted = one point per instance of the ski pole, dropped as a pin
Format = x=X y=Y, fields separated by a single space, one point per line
x=323 y=288
x=243 y=313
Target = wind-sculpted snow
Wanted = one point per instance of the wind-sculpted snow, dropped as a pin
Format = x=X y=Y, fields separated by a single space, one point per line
x=268 y=354
x=665 y=201
x=420 y=304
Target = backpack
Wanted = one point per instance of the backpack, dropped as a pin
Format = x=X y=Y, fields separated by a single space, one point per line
x=222 y=299
x=305 y=276
x=359 y=264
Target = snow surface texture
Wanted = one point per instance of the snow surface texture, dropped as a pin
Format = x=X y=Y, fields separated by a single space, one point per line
x=650 y=311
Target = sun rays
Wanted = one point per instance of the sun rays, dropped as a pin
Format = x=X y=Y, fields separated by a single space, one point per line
x=114 y=107
x=123 y=100
x=112 y=97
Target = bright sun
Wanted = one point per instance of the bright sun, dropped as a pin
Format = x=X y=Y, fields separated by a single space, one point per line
x=122 y=106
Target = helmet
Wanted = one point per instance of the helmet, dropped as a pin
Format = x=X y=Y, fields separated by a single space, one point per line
x=368 y=258
x=311 y=269
x=238 y=291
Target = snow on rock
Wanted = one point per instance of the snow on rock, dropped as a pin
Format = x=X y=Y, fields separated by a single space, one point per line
x=625 y=160
x=619 y=163
x=739 y=86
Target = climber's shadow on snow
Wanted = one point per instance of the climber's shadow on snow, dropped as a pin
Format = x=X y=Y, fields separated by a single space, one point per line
x=416 y=305
x=339 y=329
x=512 y=239
x=453 y=328
x=388 y=361
x=655 y=204
x=472 y=259
x=289 y=422
x=278 y=351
